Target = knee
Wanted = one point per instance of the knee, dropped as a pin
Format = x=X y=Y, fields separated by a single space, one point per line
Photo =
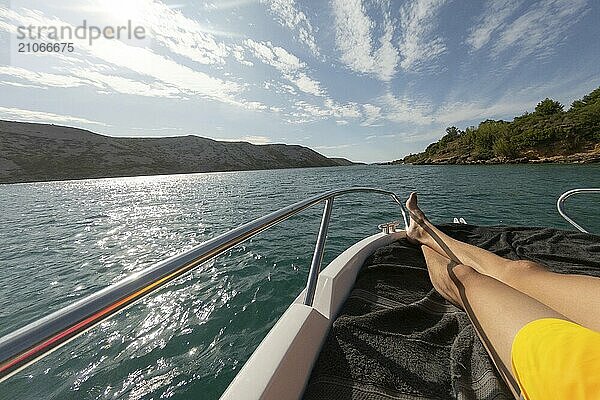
x=464 y=273
x=517 y=270
x=526 y=266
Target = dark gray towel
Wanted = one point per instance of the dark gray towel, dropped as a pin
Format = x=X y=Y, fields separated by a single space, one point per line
x=396 y=338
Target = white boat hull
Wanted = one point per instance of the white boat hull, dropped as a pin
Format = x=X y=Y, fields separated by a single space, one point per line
x=281 y=365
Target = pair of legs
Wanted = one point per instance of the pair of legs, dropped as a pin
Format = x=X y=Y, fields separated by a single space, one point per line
x=500 y=295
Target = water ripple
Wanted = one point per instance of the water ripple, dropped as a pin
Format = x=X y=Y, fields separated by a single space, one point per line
x=64 y=240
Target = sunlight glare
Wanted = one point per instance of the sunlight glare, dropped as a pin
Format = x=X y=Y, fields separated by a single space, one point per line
x=134 y=10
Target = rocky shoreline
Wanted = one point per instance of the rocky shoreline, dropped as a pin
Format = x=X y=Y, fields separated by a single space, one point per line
x=590 y=157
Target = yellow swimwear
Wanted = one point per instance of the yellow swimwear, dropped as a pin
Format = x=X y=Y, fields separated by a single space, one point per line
x=557 y=359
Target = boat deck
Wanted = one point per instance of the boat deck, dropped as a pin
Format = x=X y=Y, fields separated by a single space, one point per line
x=396 y=338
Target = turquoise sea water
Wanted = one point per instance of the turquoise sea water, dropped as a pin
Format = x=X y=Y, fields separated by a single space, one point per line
x=63 y=240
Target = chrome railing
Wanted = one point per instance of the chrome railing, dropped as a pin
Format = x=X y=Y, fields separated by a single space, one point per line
x=560 y=205
x=32 y=342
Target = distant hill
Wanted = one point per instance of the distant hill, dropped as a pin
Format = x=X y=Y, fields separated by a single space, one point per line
x=344 y=161
x=39 y=152
x=549 y=134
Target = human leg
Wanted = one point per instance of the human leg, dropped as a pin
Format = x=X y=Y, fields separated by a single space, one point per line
x=496 y=310
x=575 y=296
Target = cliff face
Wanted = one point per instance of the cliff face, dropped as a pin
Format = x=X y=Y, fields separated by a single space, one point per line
x=40 y=152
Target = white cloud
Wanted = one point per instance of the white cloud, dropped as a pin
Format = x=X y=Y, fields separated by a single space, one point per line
x=166 y=26
x=275 y=56
x=22 y=85
x=341 y=122
x=254 y=139
x=288 y=15
x=104 y=82
x=42 y=78
x=347 y=110
x=255 y=105
x=41 y=116
x=372 y=114
x=418 y=45
x=165 y=70
x=290 y=66
x=353 y=30
x=494 y=18
x=538 y=31
x=404 y=110
x=238 y=53
x=167 y=75
x=161 y=129
x=179 y=34
x=308 y=85
x=377 y=137
x=225 y=4
x=337 y=146
x=308 y=112
x=279 y=87
x=128 y=86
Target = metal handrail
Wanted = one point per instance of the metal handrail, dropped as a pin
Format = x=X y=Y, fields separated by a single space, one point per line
x=560 y=205
x=32 y=342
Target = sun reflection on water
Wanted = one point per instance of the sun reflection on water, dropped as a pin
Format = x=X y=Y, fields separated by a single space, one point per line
x=64 y=240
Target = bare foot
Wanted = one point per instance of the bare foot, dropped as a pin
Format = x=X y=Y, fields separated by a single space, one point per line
x=421 y=231
x=416 y=233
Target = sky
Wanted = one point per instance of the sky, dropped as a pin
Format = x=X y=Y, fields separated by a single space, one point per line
x=369 y=80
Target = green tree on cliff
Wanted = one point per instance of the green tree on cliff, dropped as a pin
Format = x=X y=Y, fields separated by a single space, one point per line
x=548 y=131
x=548 y=107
